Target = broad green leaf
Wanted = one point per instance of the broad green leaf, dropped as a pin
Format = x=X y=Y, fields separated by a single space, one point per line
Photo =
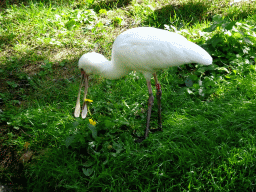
x=217 y=19
x=118 y=147
x=88 y=171
x=252 y=67
x=109 y=124
x=12 y=84
x=196 y=86
x=210 y=29
x=193 y=77
x=237 y=35
x=215 y=40
x=229 y=25
x=69 y=25
x=94 y=131
x=222 y=69
x=201 y=70
x=69 y=140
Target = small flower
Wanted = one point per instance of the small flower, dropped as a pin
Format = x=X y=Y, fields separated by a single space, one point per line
x=26 y=145
x=92 y=122
x=88 y=100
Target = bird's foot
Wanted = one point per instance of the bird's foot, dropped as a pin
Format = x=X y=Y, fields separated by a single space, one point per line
x=139 y=139
x=155 y=130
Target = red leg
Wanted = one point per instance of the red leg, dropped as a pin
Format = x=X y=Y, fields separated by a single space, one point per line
x=150 y=104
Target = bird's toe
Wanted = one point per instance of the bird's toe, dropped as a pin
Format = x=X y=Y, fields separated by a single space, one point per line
x=155 y=130
x=139 y=139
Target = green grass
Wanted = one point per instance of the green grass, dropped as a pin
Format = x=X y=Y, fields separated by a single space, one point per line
x=208 y=142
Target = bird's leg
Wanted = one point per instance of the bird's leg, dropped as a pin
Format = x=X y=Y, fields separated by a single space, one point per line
x=158 y=96
x=150 y=104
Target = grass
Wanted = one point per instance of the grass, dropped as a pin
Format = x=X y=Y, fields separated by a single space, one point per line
x=208 y=142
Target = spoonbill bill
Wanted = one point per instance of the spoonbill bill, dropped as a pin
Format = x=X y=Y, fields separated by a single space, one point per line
x=142 y=49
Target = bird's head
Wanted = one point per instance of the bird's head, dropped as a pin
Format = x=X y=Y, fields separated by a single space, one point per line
x=89 y=63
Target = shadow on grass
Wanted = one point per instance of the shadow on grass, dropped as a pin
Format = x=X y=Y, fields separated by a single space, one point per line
x=179 y=15
x=110 y=4
x=202 y=147
x=23 y=79
x=189 y=13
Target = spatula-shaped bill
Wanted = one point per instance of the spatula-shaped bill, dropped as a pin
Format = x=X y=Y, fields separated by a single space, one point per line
x=84 y=81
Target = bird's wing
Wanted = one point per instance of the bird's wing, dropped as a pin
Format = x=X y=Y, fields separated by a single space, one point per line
x=149 y=49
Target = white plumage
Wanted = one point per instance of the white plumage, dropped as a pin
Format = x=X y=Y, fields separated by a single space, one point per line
x=142 y=49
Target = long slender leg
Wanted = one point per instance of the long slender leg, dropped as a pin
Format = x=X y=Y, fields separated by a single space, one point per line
x=158 y=96
x=150 y=104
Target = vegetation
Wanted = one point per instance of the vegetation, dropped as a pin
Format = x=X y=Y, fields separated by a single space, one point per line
x=209 y=112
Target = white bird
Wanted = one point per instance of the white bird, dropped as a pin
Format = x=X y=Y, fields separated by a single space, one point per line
x=142 y=49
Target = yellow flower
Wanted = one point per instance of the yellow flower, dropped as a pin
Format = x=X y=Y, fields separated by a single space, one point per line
x=92 y=122
x=88 y=100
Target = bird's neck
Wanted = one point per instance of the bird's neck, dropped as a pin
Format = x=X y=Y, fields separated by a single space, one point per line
x=109 y=70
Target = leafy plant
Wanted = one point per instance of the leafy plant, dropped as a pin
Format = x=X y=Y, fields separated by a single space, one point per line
x=78 y=17
x=12 y=84
x=47 y=68
x=230 y=40
x=117 y=21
